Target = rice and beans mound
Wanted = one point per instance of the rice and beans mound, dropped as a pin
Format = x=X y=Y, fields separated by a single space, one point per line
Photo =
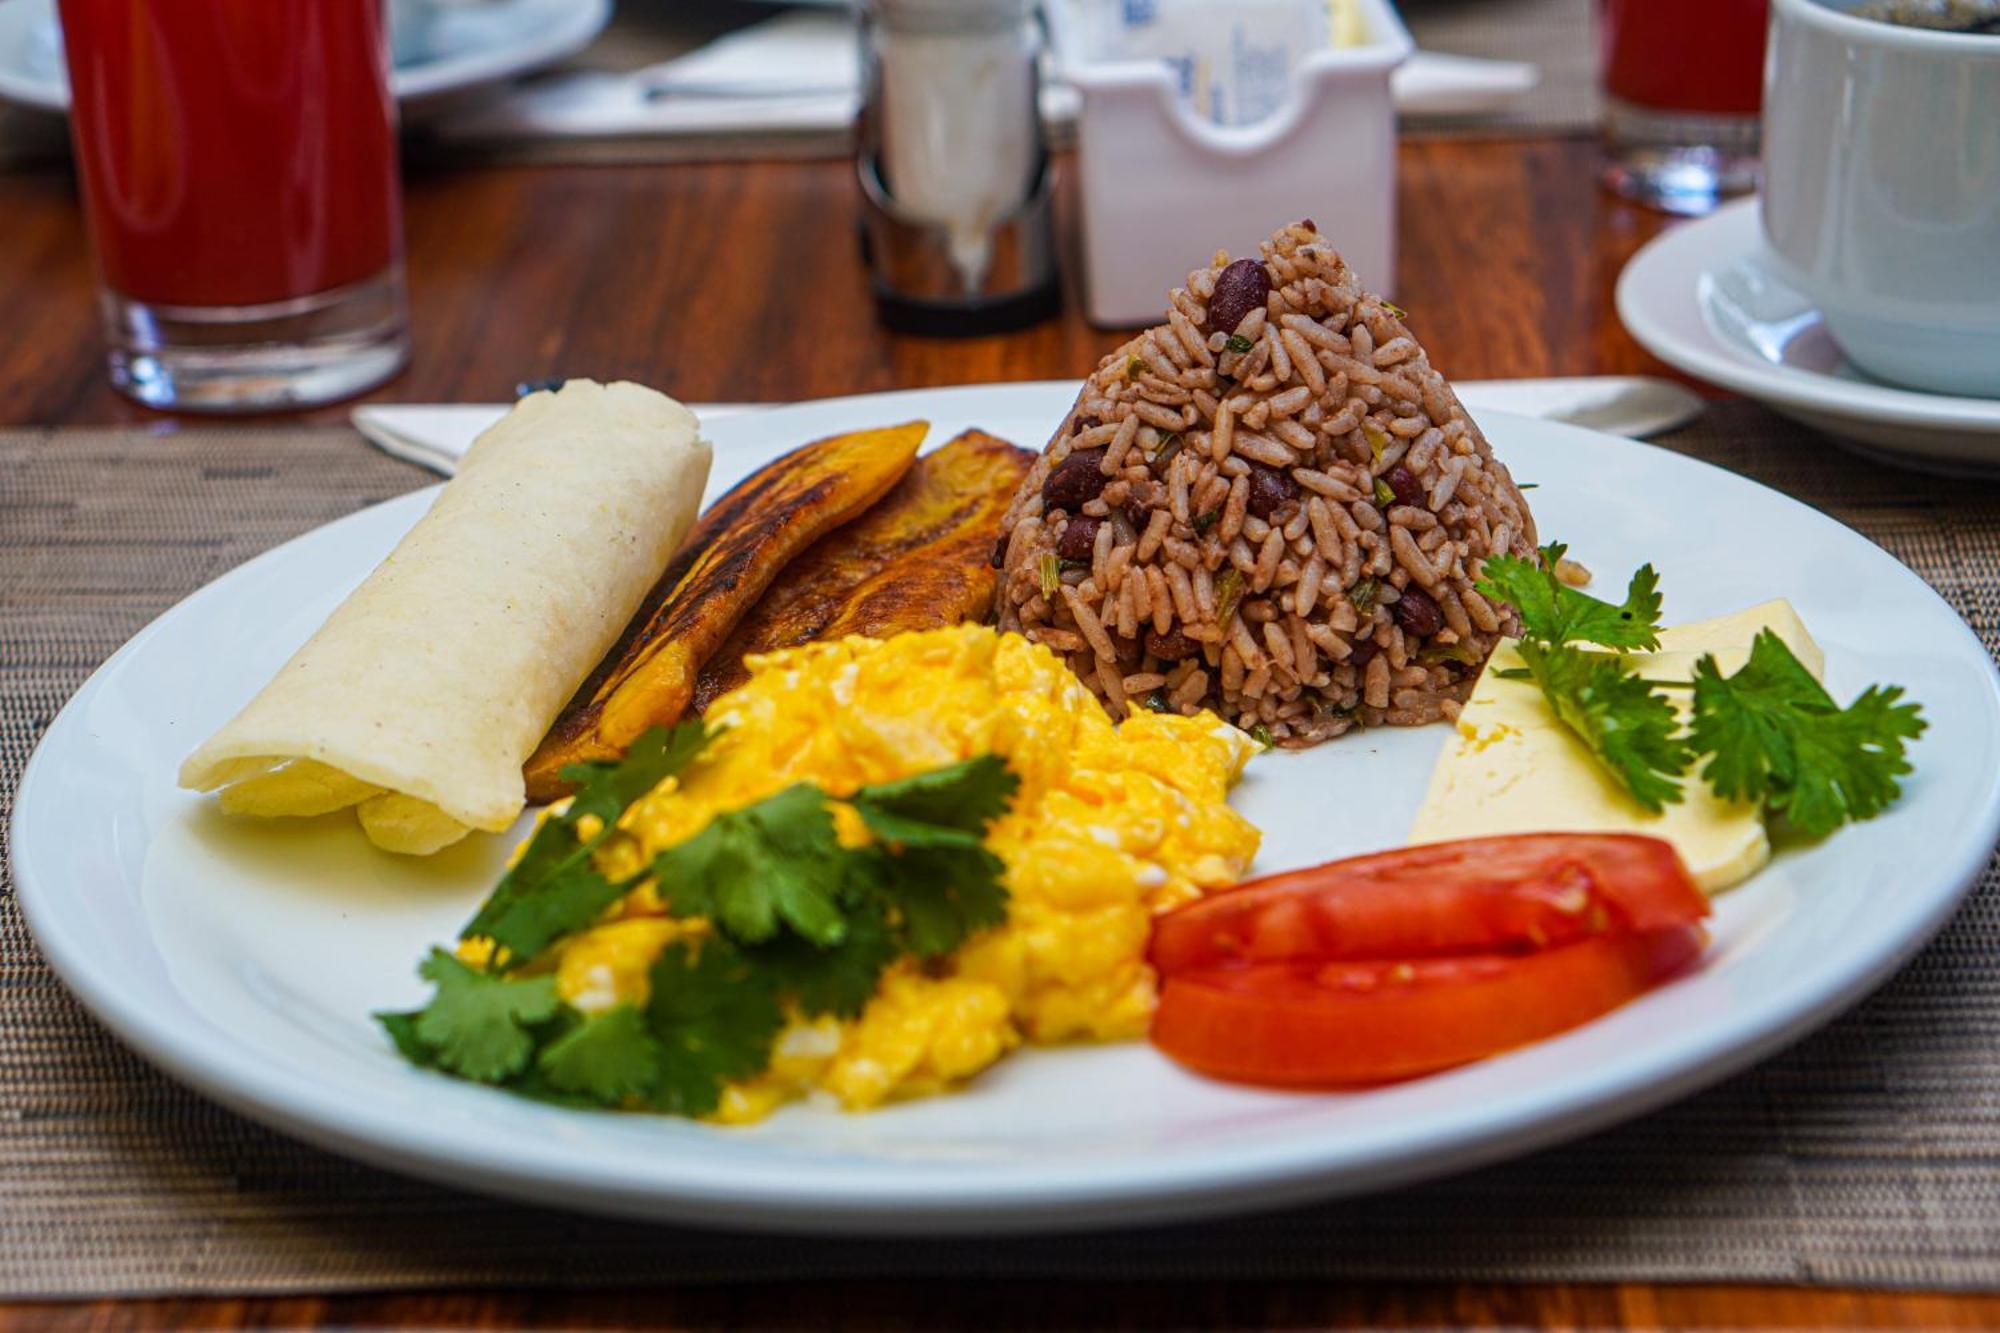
x=1271 y=506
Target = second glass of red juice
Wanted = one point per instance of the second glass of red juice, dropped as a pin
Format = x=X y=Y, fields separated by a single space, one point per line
x=1683 y=86
x=239 y=174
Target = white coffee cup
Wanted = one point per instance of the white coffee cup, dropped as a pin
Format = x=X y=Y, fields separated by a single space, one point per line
x=1882 y=190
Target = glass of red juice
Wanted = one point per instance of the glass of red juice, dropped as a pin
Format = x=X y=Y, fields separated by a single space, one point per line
x=239 y=175
x=1683 y=85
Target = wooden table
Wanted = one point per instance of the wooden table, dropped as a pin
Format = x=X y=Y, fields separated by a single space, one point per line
x=733 y=281
x=741 y=281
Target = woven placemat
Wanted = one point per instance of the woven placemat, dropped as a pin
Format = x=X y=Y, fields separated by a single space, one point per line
x=1868 y=1155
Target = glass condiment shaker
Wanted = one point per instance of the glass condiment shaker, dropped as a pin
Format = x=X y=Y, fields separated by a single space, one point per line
x=957 y=214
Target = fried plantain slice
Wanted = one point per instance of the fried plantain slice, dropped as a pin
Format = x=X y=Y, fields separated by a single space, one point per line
x=736 y=549
x=920 y=559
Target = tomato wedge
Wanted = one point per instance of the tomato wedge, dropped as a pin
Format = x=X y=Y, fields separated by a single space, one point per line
x=1406 y=962
x=1524 y=891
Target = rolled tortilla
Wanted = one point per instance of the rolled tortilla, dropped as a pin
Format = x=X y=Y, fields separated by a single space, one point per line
x=421 y=695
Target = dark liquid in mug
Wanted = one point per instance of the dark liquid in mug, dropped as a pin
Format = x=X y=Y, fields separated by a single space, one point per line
x=1971 y=16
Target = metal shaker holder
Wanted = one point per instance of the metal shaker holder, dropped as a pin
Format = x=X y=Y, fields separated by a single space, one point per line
x=946 y=258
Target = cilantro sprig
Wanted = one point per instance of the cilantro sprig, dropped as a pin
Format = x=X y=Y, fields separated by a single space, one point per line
x=555 y=888
x=930 y=865
x=1773 y=732
x=1628 y=724
x=796 y=922
x=1555 y=613
x=923 y=886
x=479 y=1025
x=1768 y=733
x=772 y=866
x=714 y=1019
x=604 y=1058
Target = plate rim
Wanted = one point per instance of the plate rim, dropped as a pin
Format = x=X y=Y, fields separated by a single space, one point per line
x=878 y=1201
x=1673 y=262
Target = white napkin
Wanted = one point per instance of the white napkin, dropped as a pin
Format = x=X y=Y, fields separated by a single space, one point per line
x=436 y=435
x=1431 y=83
x=800 y=73
x=799 y=53
x=432 y=435
x=796 y=73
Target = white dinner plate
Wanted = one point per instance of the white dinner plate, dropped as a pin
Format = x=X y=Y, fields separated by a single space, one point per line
x=1705 y=299
x=245 y=959
x=439 y=48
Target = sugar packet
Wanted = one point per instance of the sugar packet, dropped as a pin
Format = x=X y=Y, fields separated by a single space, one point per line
x=1233 y=61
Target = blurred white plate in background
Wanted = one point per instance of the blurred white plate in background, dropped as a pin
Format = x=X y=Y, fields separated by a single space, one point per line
x=440 y=47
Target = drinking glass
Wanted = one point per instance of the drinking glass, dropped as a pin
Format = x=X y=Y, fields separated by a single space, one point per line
x=238 y=164
x=1683 y=84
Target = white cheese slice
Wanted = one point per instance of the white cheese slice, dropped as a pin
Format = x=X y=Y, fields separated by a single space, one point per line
x=1513 y=767
x=1739 y=629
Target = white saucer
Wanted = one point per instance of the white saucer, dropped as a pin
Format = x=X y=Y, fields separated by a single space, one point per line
x=439 y=48
x=1705 y=299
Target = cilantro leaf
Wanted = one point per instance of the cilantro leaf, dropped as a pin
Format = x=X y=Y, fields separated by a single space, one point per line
x=715 y=1017
x=606 y=1057
x=539 y=902
x=799 y=924
x=1742 y=721
x=477 y=1024
x=838 y=980
x=1773 y=732
x=1848 y=765
x=1629 y=725
x=776 y=863
x=931 y=807
x=555 y=889
x=1525 y=586
x=605 y=787
x=402 y=1030
x=1556 y=613
x=942 y=895
x=931 y=867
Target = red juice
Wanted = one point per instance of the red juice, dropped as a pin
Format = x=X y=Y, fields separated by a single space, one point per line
x=234 y=152
x=1686 y=55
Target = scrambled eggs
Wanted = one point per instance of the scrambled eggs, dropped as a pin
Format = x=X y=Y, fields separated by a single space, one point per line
x=1111 y=824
